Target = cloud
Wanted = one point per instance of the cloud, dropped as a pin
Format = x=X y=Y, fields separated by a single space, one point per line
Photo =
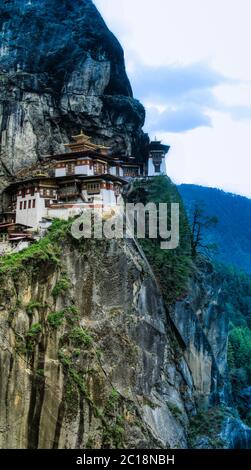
x=182 y=119
x=177 y=98
x=172 y=82
x=216 y=156
x=202 y=106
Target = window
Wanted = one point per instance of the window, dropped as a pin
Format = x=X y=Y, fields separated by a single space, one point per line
x=25 y=204
x=34 y=203
x=23 y=193
x=99 y=169
x=157 y=160
x=29 y=204
x=32 y=191
x=157 y=167
x=131 y=171
x=21 y=206
x=70 y=168
x=93 y=188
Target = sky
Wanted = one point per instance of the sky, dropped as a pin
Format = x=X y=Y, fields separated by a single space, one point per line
x=189 y=63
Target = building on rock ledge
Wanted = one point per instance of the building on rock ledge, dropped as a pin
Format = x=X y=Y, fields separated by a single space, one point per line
x=66 y=184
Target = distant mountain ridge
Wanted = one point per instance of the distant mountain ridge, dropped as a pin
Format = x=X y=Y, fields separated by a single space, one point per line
x=232 y=234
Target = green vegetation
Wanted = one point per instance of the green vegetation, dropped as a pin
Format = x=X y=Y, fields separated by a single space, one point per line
x=90 y=443
x=235 y=297
x=113 y=434
x=80 y=337
x=232 y=233
x=32 y=305
x=56 y=319
x=71 y=314
x=171 y=267
x=34 y=330
x=112 y=423
x=45 y=250
x=201 y=223
x=207 y=423
x=175 y=410
x=64 y=358
x=239 y=360
x=63 y=285
x=32 y=336
x=112 y=401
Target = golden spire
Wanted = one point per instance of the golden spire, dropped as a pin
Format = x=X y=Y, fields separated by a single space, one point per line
x=82 y=142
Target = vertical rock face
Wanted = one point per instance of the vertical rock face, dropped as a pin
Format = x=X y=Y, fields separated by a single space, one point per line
x=120 y=378
x=90 y=357
x=62 y=69
x=203 y=325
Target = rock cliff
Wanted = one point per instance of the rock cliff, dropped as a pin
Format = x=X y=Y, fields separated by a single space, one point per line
x=61 y=69
x=90 y=355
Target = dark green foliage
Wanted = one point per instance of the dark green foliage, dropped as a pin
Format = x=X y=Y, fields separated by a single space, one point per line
x=113 y=434
x=32 y=336
x=112 y=401
x=240 y=352
x=56 y=319
x=34 y=330
x=207 y=423
x=63 y=285
x=201 y=224
x=171 y=267
x=31 y=306
x=239 y=360
x=236 y=298
x=232 y=235
x=175 y=410
x=80 y=337
x=236 y=293
x=48 y=249
x=71 y=314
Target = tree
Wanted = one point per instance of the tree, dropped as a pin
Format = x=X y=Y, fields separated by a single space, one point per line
x=200 y=224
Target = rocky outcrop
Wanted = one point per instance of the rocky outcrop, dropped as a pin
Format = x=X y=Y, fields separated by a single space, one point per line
x=203 y=324
x=89 y=355
x=61 y=70
x=235 y=434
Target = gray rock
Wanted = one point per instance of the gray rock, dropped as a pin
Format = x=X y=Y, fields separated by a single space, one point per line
x=236 y=434
x=61 y=70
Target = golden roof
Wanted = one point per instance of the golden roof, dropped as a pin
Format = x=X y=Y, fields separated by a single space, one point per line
x=82 y=142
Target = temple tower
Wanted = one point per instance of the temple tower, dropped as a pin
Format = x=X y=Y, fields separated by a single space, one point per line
x=156 y=158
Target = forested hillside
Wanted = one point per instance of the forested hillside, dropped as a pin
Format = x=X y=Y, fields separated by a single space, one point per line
x=232 y=234
x=232 y=257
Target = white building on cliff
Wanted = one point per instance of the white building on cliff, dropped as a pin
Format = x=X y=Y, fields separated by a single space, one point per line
x=68 y=183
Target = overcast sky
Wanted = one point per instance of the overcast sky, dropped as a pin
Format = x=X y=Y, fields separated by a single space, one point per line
x=189 y=62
